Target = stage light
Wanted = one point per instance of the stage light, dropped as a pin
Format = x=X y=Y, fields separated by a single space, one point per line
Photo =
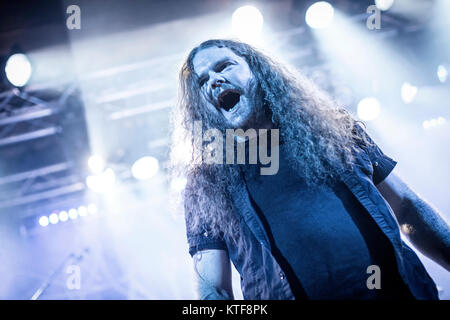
x=73 y=214
x=18 y=69
x=82 y=211
x=102 y=182
x=43 y=221
x=319 y=15
x=247 y=22
x=427 y=124
x=63 y=216
x=96 y=164
x=92 y=208
x=368 y=109
x=408 y=92
x=53 y=218
x=442 y=73
x=145 y=168
x=384 y=5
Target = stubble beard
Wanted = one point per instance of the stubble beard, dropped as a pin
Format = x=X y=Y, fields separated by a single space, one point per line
x=259 y=116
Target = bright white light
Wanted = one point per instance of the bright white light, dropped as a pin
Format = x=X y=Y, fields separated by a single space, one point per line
x=178 y=184
x=319 y=15
x=18 y=69
x=442 y=73
x=408 y=92
x=63 y=216
x=145 y=168
x=428 y=124
x=102 y=182
x=368 y=109
x=92 y=208
x=82 y=211
x=247 y=23
x=384 y=4
x=43 y=221
x=73 y=214
x=53 y=218
x=96 y=164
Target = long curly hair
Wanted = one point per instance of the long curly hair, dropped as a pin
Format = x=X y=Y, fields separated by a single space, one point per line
x=319 y=135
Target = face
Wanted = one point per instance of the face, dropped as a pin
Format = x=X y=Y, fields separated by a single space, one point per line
x=227 y=85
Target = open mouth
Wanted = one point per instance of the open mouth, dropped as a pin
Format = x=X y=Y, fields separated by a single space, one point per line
x=228 y=99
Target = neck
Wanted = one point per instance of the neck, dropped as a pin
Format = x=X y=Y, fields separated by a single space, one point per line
x=262 y=120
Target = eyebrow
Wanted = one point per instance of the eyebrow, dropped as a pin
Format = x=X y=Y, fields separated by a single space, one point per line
x=218 y=63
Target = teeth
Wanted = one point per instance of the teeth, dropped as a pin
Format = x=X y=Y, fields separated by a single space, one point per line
x=233 y=107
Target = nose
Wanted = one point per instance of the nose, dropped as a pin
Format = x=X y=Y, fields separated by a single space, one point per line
x=216 y=81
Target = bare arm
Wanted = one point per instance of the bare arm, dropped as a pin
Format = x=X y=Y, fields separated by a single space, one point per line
x=422 y=224
x=213 y=275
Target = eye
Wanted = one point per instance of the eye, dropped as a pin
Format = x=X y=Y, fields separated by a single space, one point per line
x=202 y=81
x=223 y=66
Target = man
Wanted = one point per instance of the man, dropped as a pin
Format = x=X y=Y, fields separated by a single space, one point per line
x=326 y=225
